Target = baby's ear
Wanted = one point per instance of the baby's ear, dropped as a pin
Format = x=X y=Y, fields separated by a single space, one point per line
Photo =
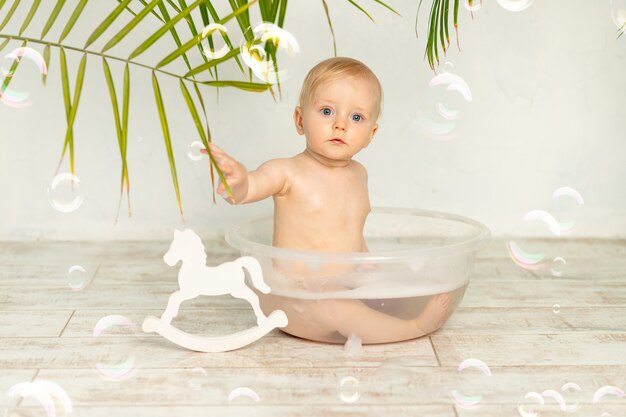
x=374 y=130
x=297 y=119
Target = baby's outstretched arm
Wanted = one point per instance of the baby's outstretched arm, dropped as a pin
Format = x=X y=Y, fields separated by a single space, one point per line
x=269 y=179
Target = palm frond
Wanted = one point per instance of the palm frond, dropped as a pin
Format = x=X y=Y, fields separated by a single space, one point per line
x=30 y=15
x=73 y=18
x=52 y=18
x=9 y=15
x=130 y=26
x=167 y=138
x=330 y=25
x=7 y=79
x=46 y=59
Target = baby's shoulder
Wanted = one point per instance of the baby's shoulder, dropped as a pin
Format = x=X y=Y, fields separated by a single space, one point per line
x=358 y=168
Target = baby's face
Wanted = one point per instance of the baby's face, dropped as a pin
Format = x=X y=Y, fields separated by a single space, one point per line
x=339 y=120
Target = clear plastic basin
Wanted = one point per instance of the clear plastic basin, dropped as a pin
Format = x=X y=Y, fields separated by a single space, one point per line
x=417 y=269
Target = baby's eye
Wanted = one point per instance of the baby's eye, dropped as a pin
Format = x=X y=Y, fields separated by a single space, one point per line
x=326 y=111
x=357 y=117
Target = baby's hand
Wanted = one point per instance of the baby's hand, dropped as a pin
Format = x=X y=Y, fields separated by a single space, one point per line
x=234 y=172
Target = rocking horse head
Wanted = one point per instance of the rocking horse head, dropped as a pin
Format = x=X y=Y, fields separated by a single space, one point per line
x=185 y=244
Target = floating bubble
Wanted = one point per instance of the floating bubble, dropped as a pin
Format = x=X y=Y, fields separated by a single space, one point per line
x=47 y=393
x=530 y=411
x=352 y=346
x=607 y=390
x=522 y=258
x=211 y=53
x=618 y=13
x=453 y=83
x=464 y=401
x=195 y=381
x=15 y=98
x=117 y=372
x=569 y=192
x=447 y=113
x=349 y=389
x=112 y=321
x=571 y=386
x=475 y=363
x=194 y=151
x=556 y=271
x=254 y=55
x=437 y=130
x=556 y=309
x=125 y=369
x=77 y=277
x=62 y=193
x=243 y=392
x=567 y=227
x=545 y=217
x=473 y=5
x=549 y=393
x=515 y=5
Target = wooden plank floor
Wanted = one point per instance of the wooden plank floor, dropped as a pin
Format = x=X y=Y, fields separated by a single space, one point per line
x=535 y=331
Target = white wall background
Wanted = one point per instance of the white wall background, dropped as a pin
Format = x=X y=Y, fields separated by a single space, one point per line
x=548 y=87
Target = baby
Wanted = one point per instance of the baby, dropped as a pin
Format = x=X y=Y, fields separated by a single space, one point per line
x=321 y=202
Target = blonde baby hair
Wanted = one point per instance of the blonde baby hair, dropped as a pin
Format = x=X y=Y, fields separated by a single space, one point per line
x=334 y=68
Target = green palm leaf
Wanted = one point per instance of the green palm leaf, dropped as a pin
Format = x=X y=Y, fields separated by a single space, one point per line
x=197 y=39
x=330 y=25
x=168 y=141
x=29 y=16
x=130 y=26
x=205 y=140
x=9 y=77
x=361 y=9
x=52 y=18
x=106 y=22
x=242 y=85
x=121 y=128
x=9 y=15
x=46 y=59
x=162 y=30
x=73 y=18
x=5 y=43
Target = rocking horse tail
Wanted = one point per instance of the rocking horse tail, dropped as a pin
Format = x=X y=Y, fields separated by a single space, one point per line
x=256 y=274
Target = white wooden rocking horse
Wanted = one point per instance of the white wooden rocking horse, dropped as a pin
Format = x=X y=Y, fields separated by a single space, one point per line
x=195 y=279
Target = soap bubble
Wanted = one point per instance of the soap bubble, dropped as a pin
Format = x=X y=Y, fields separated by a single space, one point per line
x=440 y=125
x=48 y=394
x=546 y=218
x=213 y=53
x=473 y=6
x=618 y=13
x=349 y=389
x=19 y=99
x=196 y=378
x=556 y=269
x=571 y=386
x=556 y=309
x=470 y=402
x=528 y=410
x=352 y=346
x=474 y=363
x=564 y=207
x=607 y=390
x=63 y=194
x=515 y=5
x=522 y=258
x=243 y=392
x=117 y=324
x=254 y=55
x=194 y=151
x=76 y=277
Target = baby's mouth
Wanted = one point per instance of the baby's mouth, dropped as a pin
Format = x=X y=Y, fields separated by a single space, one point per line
x=337 y=140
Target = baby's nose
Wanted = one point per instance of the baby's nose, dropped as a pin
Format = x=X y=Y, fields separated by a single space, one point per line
x=340 y=124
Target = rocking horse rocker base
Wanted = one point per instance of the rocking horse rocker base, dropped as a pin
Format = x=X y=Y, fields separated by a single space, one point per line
x=214 y=344
x=196 y=279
